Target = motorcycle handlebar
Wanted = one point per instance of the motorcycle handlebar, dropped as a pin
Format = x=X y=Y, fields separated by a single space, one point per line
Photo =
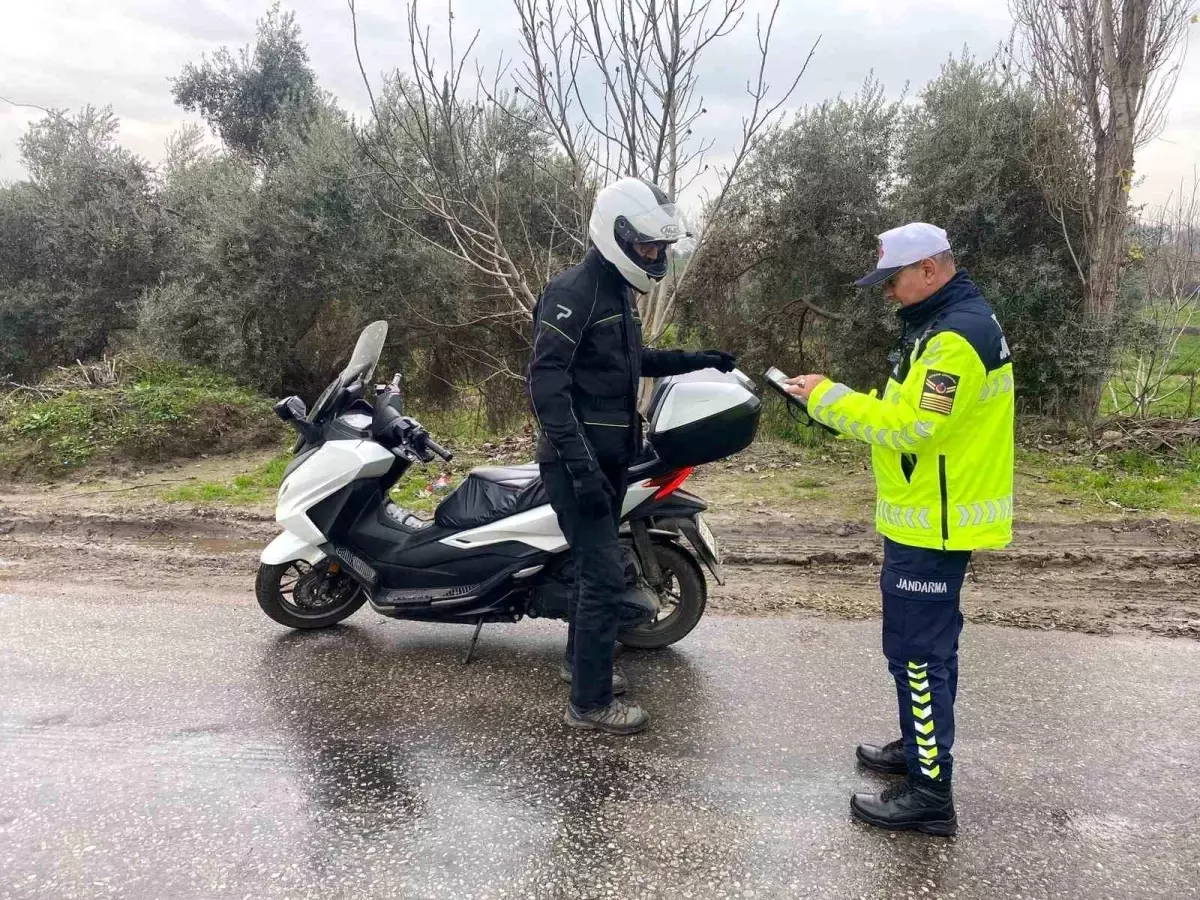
x=401 y=430
x=434 y=446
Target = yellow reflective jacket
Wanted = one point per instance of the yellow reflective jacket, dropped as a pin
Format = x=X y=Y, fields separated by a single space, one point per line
x=942 y=435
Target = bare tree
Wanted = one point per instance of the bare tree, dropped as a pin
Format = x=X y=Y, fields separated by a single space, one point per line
x=1162 y=364
x=1104 y=70
x=618 y=83
x=438 y=137
x=612 y=86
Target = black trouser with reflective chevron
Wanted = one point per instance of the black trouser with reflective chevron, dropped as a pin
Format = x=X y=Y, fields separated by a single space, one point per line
x=921 y=625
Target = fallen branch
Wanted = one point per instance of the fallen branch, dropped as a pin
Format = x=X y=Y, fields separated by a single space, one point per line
x=1149 y=435
x=41 y=392
x=136 y=487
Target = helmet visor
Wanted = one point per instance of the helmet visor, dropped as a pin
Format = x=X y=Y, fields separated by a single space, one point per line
x=656 y=258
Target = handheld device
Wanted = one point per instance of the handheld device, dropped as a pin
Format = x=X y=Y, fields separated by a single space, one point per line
x=778 y=381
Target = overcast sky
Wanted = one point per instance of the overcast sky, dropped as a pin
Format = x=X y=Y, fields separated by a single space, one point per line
x=66 y=53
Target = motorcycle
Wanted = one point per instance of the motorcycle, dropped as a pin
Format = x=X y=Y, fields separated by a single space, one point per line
x=493 y=551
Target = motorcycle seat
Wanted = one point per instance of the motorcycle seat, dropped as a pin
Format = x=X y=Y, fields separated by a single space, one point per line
x=509 y=476
x=490 y=494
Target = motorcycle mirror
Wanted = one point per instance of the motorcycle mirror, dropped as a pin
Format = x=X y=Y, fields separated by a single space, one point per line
x=290 y=408
x=393 y=389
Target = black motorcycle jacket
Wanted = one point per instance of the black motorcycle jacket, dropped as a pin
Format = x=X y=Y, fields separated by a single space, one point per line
x=586 y=368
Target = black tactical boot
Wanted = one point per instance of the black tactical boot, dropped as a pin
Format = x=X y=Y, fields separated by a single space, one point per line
x=620 y=683
x=911 y=805
x=886 y=760
x=619 y=717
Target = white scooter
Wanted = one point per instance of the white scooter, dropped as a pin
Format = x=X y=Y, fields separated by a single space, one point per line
x=493 y=551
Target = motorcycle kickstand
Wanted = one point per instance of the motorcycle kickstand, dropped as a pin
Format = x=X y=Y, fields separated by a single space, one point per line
x=474 y=641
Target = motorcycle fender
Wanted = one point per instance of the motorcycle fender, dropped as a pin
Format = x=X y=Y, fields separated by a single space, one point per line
x=691 y=531
x=289 y=548
x=679 y=505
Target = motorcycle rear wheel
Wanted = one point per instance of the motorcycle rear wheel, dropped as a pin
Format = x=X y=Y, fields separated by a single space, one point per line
x=304 y=596
x=684 y=595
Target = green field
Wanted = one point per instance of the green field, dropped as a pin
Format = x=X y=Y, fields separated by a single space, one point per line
x=1176 y=397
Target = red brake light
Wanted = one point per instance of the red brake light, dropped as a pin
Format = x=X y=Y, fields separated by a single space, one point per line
x=671 y=482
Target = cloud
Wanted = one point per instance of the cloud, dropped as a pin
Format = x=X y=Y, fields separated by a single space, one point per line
x=66 y=53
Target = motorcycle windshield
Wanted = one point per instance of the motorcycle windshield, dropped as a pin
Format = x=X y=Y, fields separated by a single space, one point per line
x=366 y=353
x=362 y=365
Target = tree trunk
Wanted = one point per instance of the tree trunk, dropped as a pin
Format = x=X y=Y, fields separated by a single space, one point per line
x=1106 y=259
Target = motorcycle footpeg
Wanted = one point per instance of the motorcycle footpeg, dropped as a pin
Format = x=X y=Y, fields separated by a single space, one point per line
x=399 y=597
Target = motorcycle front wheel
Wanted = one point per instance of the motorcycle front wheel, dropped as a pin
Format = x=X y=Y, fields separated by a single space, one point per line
x=683 y=596
x=300 y=595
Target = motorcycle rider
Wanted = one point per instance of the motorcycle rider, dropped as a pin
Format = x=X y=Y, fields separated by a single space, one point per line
x=584 y=378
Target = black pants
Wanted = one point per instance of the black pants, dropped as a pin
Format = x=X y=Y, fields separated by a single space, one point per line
x=921 y=624
x=599 y=583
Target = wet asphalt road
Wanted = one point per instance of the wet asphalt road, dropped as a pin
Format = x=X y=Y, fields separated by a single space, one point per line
x=155 y=747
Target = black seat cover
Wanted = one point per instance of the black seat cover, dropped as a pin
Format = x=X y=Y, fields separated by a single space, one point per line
x=491 y=494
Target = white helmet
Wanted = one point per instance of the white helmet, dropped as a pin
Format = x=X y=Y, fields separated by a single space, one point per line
x=632 y=211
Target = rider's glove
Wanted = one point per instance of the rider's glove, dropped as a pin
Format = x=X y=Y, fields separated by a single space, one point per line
x=713 y=359
x=593 y=495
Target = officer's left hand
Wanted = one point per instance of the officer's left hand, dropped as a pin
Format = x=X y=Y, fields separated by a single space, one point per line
x=717 y=359
x=802 y=386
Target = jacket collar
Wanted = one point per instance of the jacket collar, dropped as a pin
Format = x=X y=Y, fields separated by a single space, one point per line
x=921 y=315
x=606 y=272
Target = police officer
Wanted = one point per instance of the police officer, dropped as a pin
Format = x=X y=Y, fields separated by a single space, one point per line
x=584 y=377
x=942 y=453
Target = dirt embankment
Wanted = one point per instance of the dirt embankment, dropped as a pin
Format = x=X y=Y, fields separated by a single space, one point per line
x=1100 y=577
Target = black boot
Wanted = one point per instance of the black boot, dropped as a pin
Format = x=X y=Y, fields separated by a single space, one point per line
x=886 y=760
x=911 y=805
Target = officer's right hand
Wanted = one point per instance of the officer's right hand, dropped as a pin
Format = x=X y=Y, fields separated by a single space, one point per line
x=802 y=386
x=593 y=496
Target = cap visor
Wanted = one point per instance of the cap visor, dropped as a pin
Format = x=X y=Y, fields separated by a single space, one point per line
x=877 y=276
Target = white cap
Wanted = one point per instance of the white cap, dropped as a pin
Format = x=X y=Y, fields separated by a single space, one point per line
x=904 y=246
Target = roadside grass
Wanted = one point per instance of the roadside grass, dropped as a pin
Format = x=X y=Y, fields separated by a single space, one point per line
x=1130 y=481
x=779 y=422
x=255 y=486
x=151 y=412
x=1180 y=395
x=829 y=480
x=1187 y=355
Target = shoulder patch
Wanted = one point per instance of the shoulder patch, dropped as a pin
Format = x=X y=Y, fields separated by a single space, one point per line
x=937 y=394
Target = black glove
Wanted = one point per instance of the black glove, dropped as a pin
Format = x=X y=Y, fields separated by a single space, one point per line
x=593 y=496
x=715 y=359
